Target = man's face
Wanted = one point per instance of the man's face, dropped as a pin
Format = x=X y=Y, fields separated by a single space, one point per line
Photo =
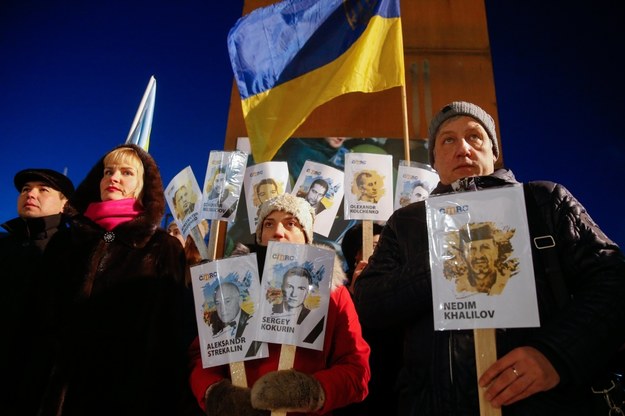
x=335 y=142
x=37 y=199
x=266 y=191
x=228 y=303
x=462 y=149
x=315 y=193
x=182 y=200
x=295 y=289
x=369 y=187
x=419 y=193
x=219 y=182
x=282 y=226
x=481 y=256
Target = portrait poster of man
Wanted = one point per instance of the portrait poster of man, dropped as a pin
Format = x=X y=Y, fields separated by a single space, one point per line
x=262 y=182
x=184 y=198
x=322 y=187
x=481 y=260
x=368 y=186
x=226 y=294
x=295 y=294
x=415 y=182
x=222 y=184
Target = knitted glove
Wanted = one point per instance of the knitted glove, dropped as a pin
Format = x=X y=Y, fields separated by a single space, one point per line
x=288 y=391
x=224 y=399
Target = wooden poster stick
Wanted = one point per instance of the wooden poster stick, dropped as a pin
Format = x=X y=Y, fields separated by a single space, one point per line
x=287 y=358
x=485 y=356
x=367 y=239
x=237 y=368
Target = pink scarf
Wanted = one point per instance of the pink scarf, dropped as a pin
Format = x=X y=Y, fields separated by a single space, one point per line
x=109 y=214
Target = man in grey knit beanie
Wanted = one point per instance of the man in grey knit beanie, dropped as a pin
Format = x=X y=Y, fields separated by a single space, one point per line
x=462 y=108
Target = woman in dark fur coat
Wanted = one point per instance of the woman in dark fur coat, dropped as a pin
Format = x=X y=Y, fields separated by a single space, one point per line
x=116 y=299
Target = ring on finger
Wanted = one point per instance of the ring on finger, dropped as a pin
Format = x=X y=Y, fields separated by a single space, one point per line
x=516 y=373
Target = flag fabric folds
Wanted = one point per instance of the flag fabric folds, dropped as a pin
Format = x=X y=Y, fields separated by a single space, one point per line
x=290 y=57
x=141 y=127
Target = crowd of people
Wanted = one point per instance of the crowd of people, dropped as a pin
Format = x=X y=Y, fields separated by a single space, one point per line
x=98 y=311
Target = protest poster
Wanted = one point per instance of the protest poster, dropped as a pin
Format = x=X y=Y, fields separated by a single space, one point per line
x=322 y=187
x=222 y=184
x=295 y=294
x=368 y=186
x=226 y=294
x=415 y=182
x=261 y=183
x=183 y=196
x=481 y=260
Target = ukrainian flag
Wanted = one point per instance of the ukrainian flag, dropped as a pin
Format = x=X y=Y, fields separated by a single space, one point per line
x=292 y=56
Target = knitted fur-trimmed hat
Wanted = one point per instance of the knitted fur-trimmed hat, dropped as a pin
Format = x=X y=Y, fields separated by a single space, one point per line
x=462 y=108
x=294 y=205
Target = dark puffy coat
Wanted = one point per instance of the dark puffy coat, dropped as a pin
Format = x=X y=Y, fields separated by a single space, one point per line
x=116 y=310
x=23 y=366
x=439 y=376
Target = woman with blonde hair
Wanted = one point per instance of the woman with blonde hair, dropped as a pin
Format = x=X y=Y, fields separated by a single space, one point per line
x=117 y=302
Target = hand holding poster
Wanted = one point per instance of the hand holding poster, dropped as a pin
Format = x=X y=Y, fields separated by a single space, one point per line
x=295 y=294
x=183 y=197
x=222 y=184
x=226 y=294
x=481 y=262
x=322 y=187
x=369 y=186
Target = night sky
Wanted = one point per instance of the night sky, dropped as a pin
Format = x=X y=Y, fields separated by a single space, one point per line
x=72 y=74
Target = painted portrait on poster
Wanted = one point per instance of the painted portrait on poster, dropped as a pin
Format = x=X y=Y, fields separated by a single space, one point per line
x=184 y=199
x=222 y=184
x=262 y=182
x=368 y=186
x=322 y=187
x=226 y=294
x=415 y=182
x=296 y=294
x=481 y=262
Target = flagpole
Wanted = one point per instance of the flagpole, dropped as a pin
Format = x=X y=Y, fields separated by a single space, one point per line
x=404 y=108
x=139 y=113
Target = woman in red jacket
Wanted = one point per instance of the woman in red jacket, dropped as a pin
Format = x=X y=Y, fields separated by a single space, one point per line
x=320 y=381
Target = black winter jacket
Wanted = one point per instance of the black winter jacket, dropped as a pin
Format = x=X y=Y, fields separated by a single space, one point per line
x=438 y=375
x=23 y=366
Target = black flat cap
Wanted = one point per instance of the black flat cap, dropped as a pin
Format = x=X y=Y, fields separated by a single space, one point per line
x=52 y=178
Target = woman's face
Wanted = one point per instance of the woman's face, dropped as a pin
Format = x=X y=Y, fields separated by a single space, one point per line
x=282 y=226
x=119 y=181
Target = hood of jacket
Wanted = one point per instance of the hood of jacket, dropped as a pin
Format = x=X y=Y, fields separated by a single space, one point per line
x=153 y=200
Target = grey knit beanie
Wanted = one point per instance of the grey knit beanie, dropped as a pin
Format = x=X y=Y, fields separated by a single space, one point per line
x=294 y=205
x=462 y=108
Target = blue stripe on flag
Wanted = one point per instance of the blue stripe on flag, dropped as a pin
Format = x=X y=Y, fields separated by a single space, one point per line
x=275 y=44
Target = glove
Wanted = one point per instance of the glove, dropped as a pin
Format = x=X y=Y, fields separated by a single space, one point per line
x=224 y=399
x=288 y=391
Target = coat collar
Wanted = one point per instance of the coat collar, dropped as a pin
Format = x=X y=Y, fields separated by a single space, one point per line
x=39 y=228
x=499 y=177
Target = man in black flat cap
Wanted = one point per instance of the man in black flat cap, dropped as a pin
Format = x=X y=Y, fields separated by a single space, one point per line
x=42 y=196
